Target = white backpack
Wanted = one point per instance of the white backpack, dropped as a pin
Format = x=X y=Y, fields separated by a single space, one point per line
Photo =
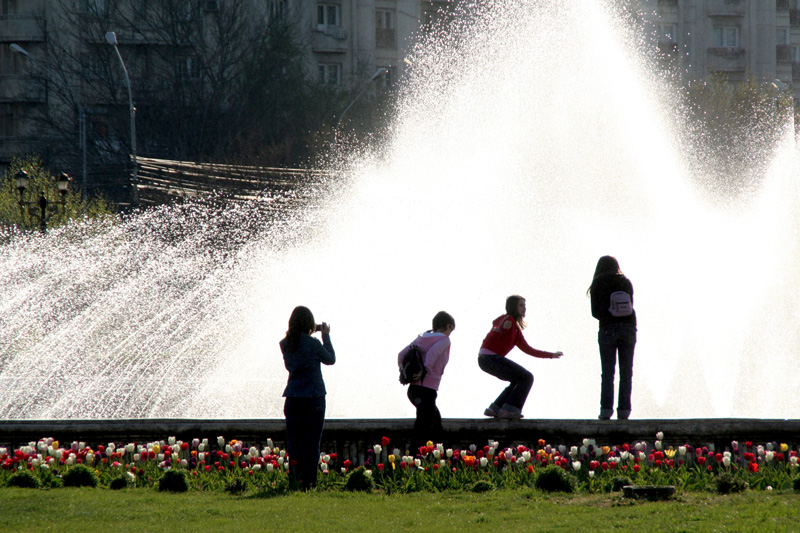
x=621 y=304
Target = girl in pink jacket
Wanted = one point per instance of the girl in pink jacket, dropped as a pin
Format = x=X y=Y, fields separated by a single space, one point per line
x=435 y=348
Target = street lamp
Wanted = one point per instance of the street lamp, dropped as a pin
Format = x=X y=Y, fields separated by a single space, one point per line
x=23 y=181
x=111 y=38
x=374 y=77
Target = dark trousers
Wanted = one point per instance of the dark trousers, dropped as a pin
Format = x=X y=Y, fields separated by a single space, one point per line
x=616 y=341
x=520 y=380
x=428 y=425
x=305 y=418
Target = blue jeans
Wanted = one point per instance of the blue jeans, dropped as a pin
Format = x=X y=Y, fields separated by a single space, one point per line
x=305 y=418
x=616 y=341
x=428 y=425
x=520 y=380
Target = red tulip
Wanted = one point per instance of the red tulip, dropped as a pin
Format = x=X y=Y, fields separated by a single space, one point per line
x=385 y=441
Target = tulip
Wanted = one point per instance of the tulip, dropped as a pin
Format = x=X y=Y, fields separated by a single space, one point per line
x=784 y=447
x=576 y=465
x=449 y=453
x=484 y=461
x=726 y=461
x=377 y=448
x=681 y=450
x=660 y=435
x=573 y=452
x=591 y=473
x=658 y=445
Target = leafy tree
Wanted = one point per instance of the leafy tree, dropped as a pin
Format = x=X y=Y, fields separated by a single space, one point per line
x=43 y=182
x=734 y=128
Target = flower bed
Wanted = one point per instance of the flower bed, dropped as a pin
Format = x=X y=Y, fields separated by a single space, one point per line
x=236 y=466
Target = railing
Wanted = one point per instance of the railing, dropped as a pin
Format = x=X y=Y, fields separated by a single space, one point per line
x=385 y=38
x=783 y=53
x=163 y=180
x=331 y=39
x=16 y=88
x=21 y=28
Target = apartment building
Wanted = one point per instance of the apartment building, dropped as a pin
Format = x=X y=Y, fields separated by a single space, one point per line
x=348 y=43
x=737 y=37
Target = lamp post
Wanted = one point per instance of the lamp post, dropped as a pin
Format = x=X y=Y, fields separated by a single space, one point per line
x=23 y=181
x=81 y=122
x=361 y=92
x=111 y=38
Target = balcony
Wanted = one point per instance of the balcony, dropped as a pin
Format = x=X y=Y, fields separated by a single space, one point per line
x=783 y=53
x=725 y=8
x=668 y=49
x=16 y=88
x=726 y=59
x=21 y=28
x=781 y=5
x=329 y=39
x=794 y=17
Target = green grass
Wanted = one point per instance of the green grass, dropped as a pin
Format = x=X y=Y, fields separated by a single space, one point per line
x=496 y=511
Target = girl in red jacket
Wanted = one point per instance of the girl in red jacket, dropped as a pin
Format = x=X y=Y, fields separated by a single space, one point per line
x=505 y=334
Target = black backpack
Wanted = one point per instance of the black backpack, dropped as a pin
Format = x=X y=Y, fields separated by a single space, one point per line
x=413 y=367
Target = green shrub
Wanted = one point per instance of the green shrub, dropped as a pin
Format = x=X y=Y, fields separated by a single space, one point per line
x=360 y=481
x=555 y=479
x=727 y=483
x=620 y=481
x=237 y=486
x=173 y=481
x=482 y=486
x=118 y=483
x=24 y=480
x=79 y=476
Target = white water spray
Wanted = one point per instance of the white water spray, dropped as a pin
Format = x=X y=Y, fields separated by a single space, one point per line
x=522 y=152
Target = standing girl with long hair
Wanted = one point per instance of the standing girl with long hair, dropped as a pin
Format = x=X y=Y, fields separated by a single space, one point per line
x=616 y=336
x=304 y=406
x=506 y=333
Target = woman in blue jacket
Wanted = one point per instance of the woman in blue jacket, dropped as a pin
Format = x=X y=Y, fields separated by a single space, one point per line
x=304 y=406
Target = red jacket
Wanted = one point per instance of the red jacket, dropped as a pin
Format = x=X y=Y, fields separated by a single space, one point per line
x=502 y=338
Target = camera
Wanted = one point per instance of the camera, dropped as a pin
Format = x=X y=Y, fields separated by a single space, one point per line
x=319 y=327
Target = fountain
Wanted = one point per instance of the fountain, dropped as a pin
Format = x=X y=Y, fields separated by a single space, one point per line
x=521 y=153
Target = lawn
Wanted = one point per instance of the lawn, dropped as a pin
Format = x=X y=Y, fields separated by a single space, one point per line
x=500 y=510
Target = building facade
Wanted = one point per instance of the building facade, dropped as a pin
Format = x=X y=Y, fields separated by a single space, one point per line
x=760 y=38
x=351 y=43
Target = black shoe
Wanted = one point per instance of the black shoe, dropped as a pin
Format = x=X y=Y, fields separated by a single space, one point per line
x=601 y=417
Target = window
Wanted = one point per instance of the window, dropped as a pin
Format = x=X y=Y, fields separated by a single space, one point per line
x=726 y=36
x=11 y=62
x=7 y=126
x=386 y=80
x=384 y=29
x=93 y=68
x=795 y=54
x=96 y=8
x=99 y=123
x=330 y=73
x=189 y=68
x=211 y=5
x=667 y=33
x=782 y=36
x=6 y=7
x=328 y=15
x=277 y=9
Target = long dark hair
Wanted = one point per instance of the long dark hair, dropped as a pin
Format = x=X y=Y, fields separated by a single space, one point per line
x=301 y=322
x=513 y=310
x=606 y=266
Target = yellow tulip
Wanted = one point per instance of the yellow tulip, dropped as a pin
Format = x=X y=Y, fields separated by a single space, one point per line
x=784 y=447
x=429 y=444
x=391 y=458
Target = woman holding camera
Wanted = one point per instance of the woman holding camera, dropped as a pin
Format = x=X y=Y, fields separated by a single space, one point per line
x=506 y=333
x=304 y=406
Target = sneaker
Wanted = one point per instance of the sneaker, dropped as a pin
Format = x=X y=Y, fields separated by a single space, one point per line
x=490 y=412
x=509 y=415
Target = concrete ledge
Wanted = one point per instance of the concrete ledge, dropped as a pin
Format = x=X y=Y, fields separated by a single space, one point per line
x=366 y=432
